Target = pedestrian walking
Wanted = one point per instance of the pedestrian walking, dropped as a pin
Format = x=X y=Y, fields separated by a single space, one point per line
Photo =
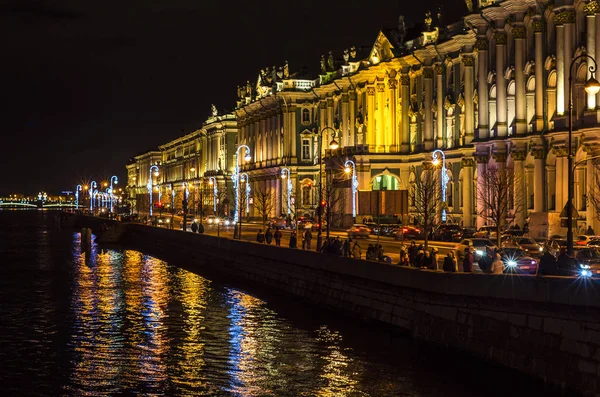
x=268 y=236
x=260 y=236
x=590 y=231
x=200 y=228
x=434 y=259
x=468 y=261
x=346 y=248
x=293 y=240
x=548 y=264
x=497 y=264
x=356 y=250
x=308 y=238
x=449 y=263
x=412 y=253
x=277 y=236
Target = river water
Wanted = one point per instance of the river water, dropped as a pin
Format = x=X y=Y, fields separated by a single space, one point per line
x=117 y=322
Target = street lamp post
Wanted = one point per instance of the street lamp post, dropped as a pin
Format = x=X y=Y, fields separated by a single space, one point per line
x=153 y=168
x=245 y=178
x=592 y=86
x=93 y=185
x=115 y=180
x=436 y=160
x=78 y=188
x=352 y=169
x=332 y=145
x=213 y=182
x=236 y=185
x=285 y=173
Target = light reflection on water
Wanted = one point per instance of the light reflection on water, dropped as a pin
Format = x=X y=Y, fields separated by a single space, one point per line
x=118 y=322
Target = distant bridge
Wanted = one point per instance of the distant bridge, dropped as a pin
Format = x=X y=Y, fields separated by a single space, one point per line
x=17 y=204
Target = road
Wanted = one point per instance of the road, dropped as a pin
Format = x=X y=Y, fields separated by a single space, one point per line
x=391 y=246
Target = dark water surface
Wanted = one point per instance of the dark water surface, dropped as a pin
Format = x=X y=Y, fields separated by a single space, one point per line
x=119 y=322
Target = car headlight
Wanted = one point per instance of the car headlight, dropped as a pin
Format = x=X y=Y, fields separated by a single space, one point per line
x=479 y=252
x=586 y=272
x=168 y=220
x=511 y=264
x=533 y=262
x=541 y=249
x=226 y=223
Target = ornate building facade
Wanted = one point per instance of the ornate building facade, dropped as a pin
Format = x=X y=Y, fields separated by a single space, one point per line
x=490 y=91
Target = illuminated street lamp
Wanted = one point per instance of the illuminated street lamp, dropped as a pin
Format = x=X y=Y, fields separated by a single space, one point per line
x=244 y=178
x=153 y=169
x=113 y=180
x=236 y=177
x=436 y=162
x=77 y=190
x=349 y=166
x=93 y=185
x=592 y=86
x=212 y=181
x=285 y=173
x=333 y=145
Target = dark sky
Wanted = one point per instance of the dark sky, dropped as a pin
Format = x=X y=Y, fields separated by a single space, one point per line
x=88 y=84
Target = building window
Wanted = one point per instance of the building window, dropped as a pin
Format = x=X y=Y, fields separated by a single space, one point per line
x=306 y=195
x=305 y=149
x=305 y=116
x=449 y=194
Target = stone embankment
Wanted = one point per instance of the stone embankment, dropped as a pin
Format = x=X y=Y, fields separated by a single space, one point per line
x=547 y=327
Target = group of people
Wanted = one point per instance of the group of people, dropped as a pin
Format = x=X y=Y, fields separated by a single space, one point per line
x=268 y=236
x=417 y=256
x=559 y=265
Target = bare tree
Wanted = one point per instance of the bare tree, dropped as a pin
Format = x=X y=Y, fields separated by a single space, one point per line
x=496 y=185
x=593 y=195
x=425 y=197
x=263 y=202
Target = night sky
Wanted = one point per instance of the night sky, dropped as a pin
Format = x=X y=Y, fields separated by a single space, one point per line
x=86 y=85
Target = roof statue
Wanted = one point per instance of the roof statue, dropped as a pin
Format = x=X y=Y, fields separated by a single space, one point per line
x=401 y=28
x=330 y=62
x=428 y=20
x=286 y=70
x=346 y=56
x=241 y=91
x=214 y=110
x=323 y=65
x=352 y=52
x=248 y=88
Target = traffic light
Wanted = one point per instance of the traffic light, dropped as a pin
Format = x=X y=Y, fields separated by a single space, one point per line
x=323 y=203
x=159 y=204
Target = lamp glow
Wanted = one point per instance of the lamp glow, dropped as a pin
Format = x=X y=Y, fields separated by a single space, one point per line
x=285 y=174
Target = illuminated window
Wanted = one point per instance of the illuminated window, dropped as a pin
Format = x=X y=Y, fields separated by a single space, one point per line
x=305 y=116
x=305 y=149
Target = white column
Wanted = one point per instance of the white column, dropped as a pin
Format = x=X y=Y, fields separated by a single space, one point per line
x=520 y=98
x=392 y=140
x=538 y=181
x=344 y=141
x=482 y=90
x=352 y=124
x=539 y=76
x=569 y=30
x=468 y=63
x=591 y=44
x=467 y=191
x=519 y=193
x=428 y=122
x=560 y=67
x=293 y=133
x=405 y=100
x=501 y=111
x=439 y=104
x=482 y=160
x=370 y=115
x=380 y=121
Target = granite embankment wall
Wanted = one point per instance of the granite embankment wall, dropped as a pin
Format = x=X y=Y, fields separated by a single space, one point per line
x=546 y=327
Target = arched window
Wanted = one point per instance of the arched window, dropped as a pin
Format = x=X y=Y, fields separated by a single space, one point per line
x=386 y=182
x=305 y=116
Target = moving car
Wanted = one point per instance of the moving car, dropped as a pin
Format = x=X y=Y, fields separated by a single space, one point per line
x=517 y=261
x=530 y=246
x=211 y=220
x=588 y=259
x=478 y=246
x=278 y=223
x=409 y=232
x=447 y=232
x=359 y=230
x=486 y=232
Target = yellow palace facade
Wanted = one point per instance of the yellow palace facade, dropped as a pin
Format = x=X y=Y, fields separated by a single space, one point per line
x=489 y=91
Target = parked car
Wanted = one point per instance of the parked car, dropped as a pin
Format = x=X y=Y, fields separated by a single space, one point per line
x=594 y=242
x=359 y=230
x=486 y=232
x=409 y=232
x=163 y=220
x=447 y=232
x=530 y=246
x=554 y=244
x=582 y=240
x=517 y=261
x=478 y=246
